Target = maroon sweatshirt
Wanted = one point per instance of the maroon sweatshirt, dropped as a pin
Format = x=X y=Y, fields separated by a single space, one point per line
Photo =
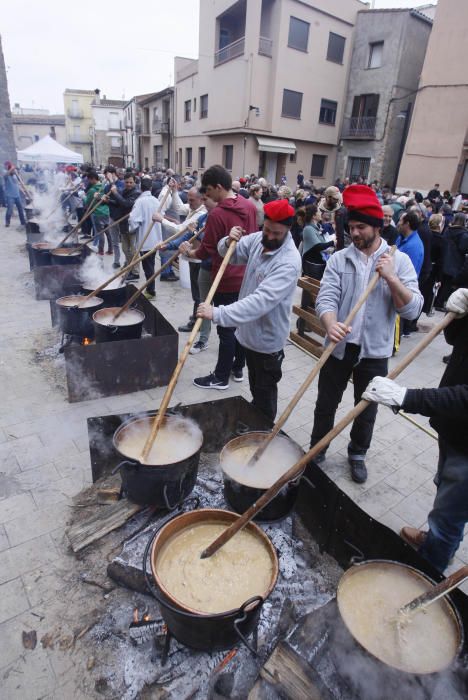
x=237 y=211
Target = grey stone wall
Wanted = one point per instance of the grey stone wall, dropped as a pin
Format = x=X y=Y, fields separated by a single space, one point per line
x=7 y=143
x=405 y=40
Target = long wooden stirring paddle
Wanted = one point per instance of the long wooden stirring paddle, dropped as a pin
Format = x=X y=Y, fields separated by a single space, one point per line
x=88 y=213
x=296 y=469
x=310 y=378
x=96 y=235
x=431 y=596
x=149 y=281
x=160 y=416
x=128 y=267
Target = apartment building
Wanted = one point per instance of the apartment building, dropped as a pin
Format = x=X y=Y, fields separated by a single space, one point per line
x=437 y=146
x=155 y=130
x=387 y=59
x=108 y=130
x=28 y=128
x=79 y=121
x=267 y=92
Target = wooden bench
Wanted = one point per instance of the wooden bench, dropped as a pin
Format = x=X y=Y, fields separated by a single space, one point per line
x=310 y=332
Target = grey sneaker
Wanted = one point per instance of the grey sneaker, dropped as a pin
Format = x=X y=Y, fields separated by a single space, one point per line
x=197 y=347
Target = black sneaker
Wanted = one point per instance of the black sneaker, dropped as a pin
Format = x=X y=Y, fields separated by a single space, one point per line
x=358 y=470
x=187 y=328
x=211 y=382
x=171 y=277
x=237 y=375
x=116 y=266
x=197 y=347
x=446 y=358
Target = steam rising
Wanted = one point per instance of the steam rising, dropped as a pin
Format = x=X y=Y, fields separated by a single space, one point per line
x=93 y=274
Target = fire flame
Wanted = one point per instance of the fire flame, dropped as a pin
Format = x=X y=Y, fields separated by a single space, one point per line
x=87 y=341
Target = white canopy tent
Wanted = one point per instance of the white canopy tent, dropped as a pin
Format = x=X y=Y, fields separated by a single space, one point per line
x=47 y=150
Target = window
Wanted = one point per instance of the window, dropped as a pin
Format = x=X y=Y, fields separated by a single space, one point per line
x=227 y=156
x=328 y=112
x=292 y=104
x=115 y=142
x=293 y=157
x=375 y=54
x=335 y=51
x=203 y=106
x=298 y=37
x=158 y=157
x=358 y=167
x=188 y=110
x=188 y=157
x=194 y=104
x=201 y=156
x=317 y=168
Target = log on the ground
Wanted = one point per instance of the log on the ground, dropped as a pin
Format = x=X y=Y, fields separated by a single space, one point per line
x=103 y=520
x=292 y=677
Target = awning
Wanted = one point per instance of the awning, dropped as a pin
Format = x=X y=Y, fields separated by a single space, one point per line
x=275 y=145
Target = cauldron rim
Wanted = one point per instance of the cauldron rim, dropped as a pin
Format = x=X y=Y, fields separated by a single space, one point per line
x=450 y=605
x=213 y=514
x=149 y=417
x=80 y=296
x=116 y=309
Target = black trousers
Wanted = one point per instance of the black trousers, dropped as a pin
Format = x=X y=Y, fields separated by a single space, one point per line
x=264 y=375
x=230 y=353
x=194 y=270
x=333 y=379
x=148 y=269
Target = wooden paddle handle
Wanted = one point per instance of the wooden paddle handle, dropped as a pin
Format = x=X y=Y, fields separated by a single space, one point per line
x=75 y=228
x=296 y=469
x=160 y=416
x=149 y=280
x=63 y=201
x=436 y=592
x=318 y=366
x=96 y=235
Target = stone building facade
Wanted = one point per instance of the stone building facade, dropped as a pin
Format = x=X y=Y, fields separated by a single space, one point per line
x=7 y=143
x=387 y=60
x=108 y=131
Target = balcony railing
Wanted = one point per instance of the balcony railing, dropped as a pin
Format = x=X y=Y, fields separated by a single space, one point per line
x=74 y=138
x=265 y=46
x=160 y=127
x=359 y=128
x=75 y=113
x=116 y=150
x=230 y=51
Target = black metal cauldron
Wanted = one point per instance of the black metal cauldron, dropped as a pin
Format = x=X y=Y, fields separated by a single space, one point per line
x=66 y=256
x=213 y=631
x=241 y=497
x=74 y=320
x=106 y=331
x=163 y=486
x=112 y=297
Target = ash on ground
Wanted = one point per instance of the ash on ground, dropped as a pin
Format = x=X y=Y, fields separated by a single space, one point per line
x=307 y=581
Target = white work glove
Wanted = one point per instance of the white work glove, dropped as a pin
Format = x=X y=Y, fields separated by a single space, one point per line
x=385 y=391
x=457 y=302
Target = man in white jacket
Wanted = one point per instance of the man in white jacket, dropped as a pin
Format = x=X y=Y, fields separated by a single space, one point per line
x=193 y=210
x=174 y=205
x=140 y=219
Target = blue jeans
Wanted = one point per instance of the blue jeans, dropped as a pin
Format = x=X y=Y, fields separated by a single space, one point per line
x=449 y=514
x=100 y=223
x=11 y=201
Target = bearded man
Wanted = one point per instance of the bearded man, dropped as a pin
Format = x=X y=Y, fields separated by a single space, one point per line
x=362 y=349
x=261 y=314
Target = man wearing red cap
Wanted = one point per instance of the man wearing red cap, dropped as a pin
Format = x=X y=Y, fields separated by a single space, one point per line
x=262 y=313
x=362 y=349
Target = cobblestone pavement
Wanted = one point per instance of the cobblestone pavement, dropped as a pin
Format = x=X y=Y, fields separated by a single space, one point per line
x=44 y=457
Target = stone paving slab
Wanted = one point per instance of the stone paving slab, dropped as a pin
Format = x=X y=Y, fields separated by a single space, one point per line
x=44 y=459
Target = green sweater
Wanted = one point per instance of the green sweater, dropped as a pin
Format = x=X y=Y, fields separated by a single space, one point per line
x=102 y=209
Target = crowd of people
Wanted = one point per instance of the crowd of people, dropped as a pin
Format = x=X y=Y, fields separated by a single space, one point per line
x=342 y=235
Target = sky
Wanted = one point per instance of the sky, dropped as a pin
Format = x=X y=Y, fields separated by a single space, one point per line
x=120 y=47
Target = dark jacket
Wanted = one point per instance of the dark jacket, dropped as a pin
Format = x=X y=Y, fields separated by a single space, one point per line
x=454 y=249
x=425 y=235
x=123 y=204
x=447 y=406
x=230 y=212
x=390 y=233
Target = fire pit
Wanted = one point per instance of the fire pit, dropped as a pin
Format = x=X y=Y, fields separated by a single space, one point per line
x=300 y=611
x=120 y=366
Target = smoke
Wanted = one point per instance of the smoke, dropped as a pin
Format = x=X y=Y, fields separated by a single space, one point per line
x=50 y=219
x=93 y=274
